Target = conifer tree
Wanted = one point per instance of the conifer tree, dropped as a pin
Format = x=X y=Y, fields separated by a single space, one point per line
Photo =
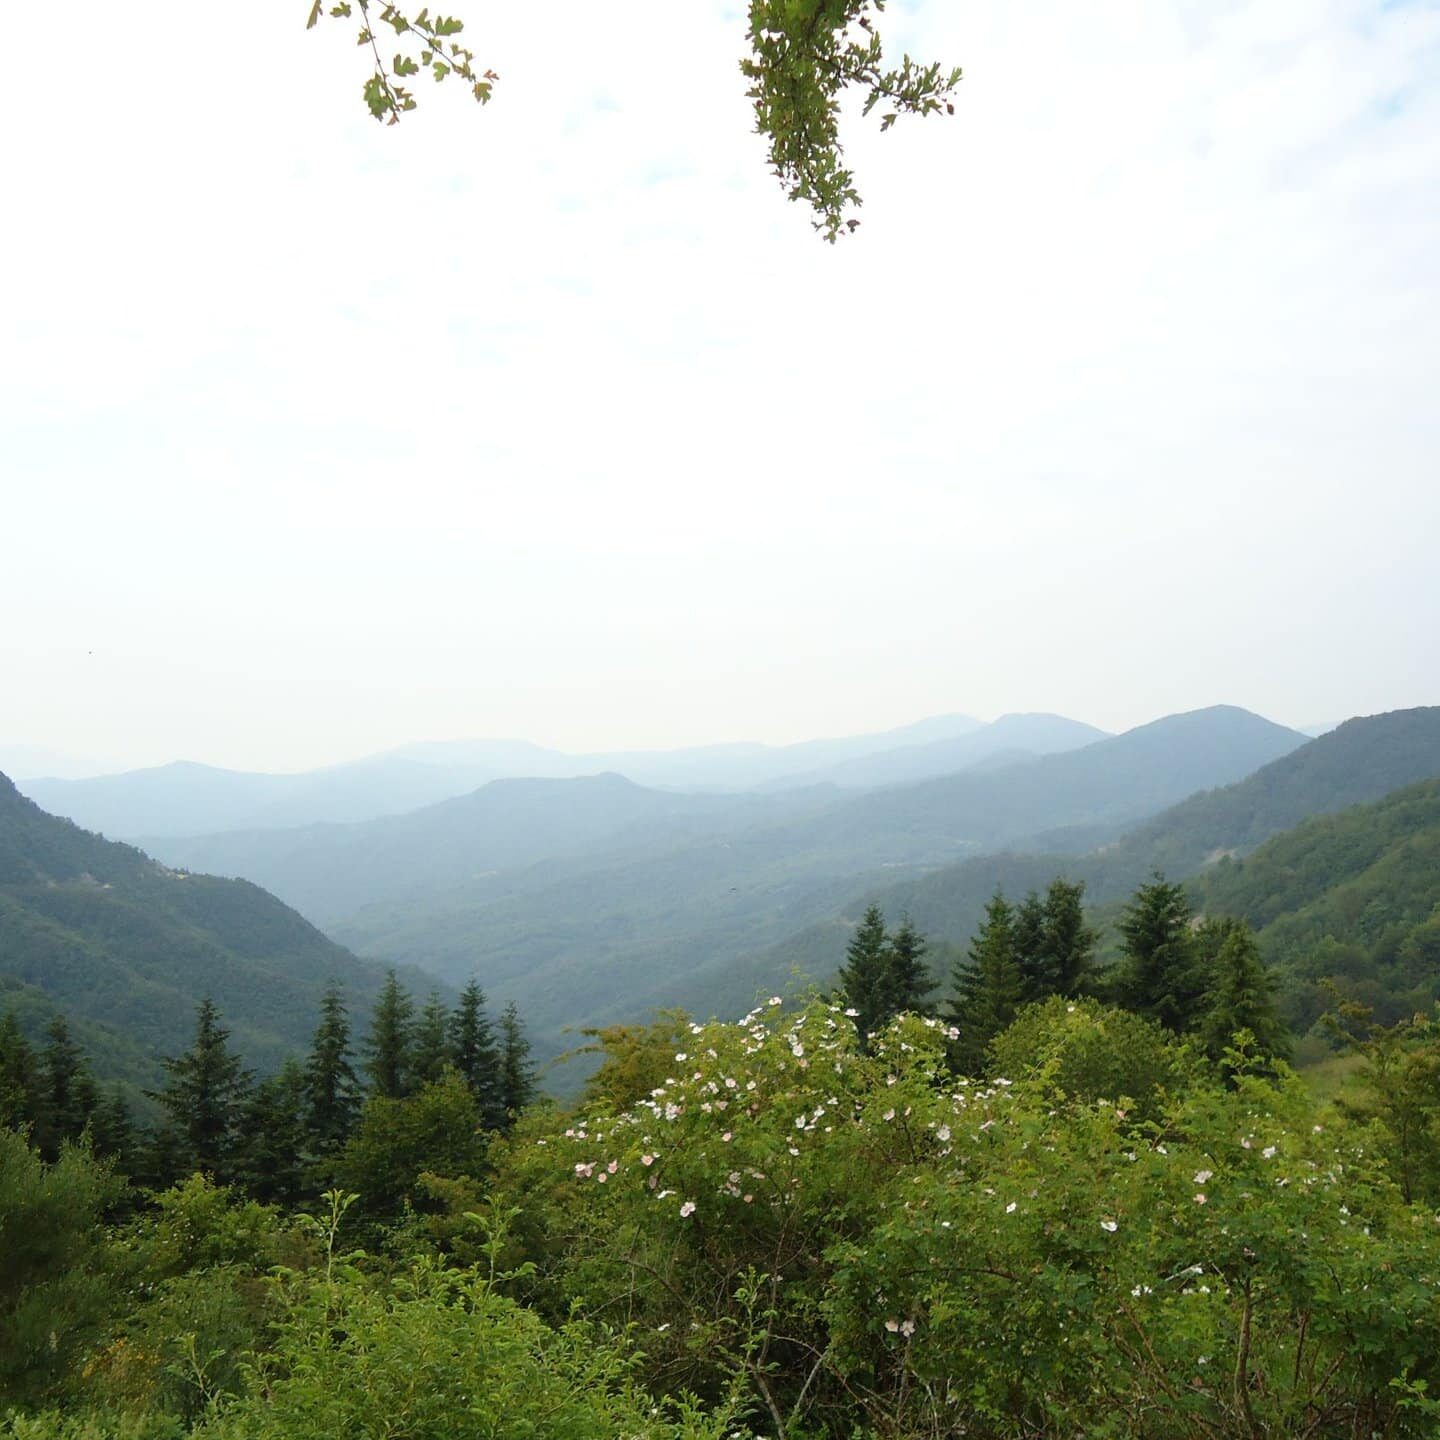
x=863 y=977
x=474 y=1054
x=1067 y=949
x=270 y=1144
x=68 y=1096
x=203 y=1095
x=907 y=981
x=1158 y=975
x=1241 y=997
x=517 y=1072
x=388 y=1046
x=21 y=1084
x=1028 y=938
x=332 y=1091
x=112 y=1132
x=430 y=1050
x=990 y=990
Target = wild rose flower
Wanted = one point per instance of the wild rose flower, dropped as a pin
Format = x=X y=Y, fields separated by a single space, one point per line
x=687 y=1209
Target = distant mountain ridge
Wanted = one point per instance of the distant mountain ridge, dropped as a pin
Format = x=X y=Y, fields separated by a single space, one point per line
x=644 y=920
x=1358 y=762
x=185 y=799
x=127 y=948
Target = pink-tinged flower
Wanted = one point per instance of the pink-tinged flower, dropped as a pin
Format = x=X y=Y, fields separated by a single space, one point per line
x=747 y=1198
x=647 y=1160
x=726 y=1137
x=602 y=1177
x=892 y=1326
x=687 y=1209
x=613 y=1166
x=1199 y=1197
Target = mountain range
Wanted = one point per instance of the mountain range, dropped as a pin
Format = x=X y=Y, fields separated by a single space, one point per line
x=184 y=798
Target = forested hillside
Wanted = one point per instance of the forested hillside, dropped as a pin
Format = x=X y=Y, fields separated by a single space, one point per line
x=128 y=947
x=670 y=922
x=1361 y=760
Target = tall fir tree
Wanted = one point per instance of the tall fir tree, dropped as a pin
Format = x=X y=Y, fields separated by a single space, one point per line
x=112 y=1131
x=1159 y=974
x=69 y=1096
x=388 y=1046
x=1242 y=997
x=21 y=1082
x=332 y=1090
x=863 y=976
x=517 y=1071
x=1067 y=949
x=907 y=979
x=270 y=1159
x=474 y=1054
x=1028 y=938
x=430 y=1050
x=990 y=990
x=203 y=1095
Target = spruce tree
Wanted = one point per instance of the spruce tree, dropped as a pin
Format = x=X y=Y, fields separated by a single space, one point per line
x=1242 y=997
x=332 y=1091
x=1028 y=940
x=430 y=1051
x=907 y=981
x=990 y=990
x=1158 y=975
x=517 y=1072
x=474 y=1054
x=112 y=1132
x=1067 y=950
x=863 y=976
x=270 y=1146
x=203 y=1095
x=21 y=1083
x=68 y=1096
x=388 y=1045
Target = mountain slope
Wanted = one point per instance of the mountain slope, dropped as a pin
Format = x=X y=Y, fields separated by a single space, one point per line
x=645 y=921
x=1360 y=761
x=128 y=947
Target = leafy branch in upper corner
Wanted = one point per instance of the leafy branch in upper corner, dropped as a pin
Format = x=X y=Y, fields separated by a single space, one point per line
x=804 y=55
x=431 y=45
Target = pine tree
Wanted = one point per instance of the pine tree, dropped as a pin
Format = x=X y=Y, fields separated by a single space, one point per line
x=332 y=1091
x=517 y=1072
x=430 y=1051
x=1241 y=997
x=1158 y=975
x=1067 y=950
x=474 y=1054
x=990 y=990
x=203 y=1096
x=1028 y=942
x=68 y=1096
x=864 y=973
x=21 y=1083
x=907 y=981
x=112 y=1132
x=270 y=1146
x=388 y=1045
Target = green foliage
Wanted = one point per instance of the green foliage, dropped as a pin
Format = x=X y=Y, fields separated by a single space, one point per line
x=1242 y=999
x=804 y=55
x=53 y=1293
x=475 y=1055
x=437 y=1129
x=517 y=1071
x=332 y=1091
x=989 y=990
x=1083 y=1050
x=884 y=974
x=635 y=1059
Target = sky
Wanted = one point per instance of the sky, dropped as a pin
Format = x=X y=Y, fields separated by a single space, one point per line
x=554 y=419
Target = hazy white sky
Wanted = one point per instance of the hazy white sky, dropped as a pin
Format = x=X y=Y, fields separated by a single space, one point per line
x=555 y=420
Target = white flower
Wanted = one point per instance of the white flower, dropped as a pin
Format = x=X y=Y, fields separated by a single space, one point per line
x=687 y=1209
x=1268 y=1153
x=1109 y=1225
x=1010 y=1208
x=853 y=1014
x=774 y=999
x=943 y=1134
x=1201 y=1176
x=907 y=1328
x=892 y=1326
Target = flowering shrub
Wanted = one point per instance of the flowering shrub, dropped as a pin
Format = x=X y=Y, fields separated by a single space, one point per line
x=864 y=1241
